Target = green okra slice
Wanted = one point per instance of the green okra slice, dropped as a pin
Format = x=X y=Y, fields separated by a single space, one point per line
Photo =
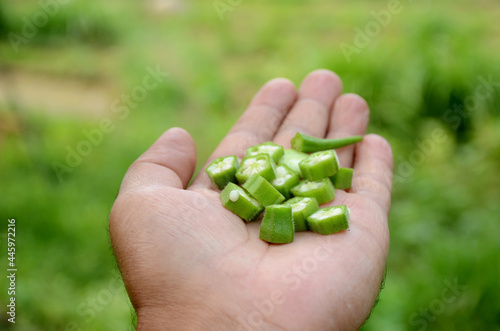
x=342 y=179
x=322 y=190
x=261 y=164
x=329 y=220
x=292 y=158
x=302 y=208
x=237 y=200
x=285 y=180
x=308 y=144
x=277 y=224
x=223 y=171
x=263 y=191
x=319 y=165
x=274 y=151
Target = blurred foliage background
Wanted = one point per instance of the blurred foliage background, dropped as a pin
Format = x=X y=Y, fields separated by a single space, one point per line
x=431 y=76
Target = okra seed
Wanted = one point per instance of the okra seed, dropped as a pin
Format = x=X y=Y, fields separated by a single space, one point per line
x=249 y=171
x=234 y=195
x=281 y=172
x=222 y=166
x=299 y=207
x=310 y=186
x=279 y=181
x=322 y=214
x=268 y=149
x=254 y=166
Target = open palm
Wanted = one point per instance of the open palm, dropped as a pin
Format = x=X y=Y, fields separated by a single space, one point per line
x=190 y=264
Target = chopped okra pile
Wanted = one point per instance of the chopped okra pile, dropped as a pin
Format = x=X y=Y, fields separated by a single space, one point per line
x=288 y=185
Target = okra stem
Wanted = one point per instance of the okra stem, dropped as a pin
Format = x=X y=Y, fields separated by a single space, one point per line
x=237 y=200
x=285 y=180
x=329 y=220
x=292 y=159
x=302 y=208
x=308 y=144
x=274 y=151
x=263 y=191
x=277 y=225
x=261 y=164
x=342 y=179
x=223 y=170
x=322 y=190
x=319 y=165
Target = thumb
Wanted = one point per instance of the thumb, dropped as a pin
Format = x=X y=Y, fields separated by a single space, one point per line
x=170 y=161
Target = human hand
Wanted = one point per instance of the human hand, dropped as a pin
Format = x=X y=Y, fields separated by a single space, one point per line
x=190 y=264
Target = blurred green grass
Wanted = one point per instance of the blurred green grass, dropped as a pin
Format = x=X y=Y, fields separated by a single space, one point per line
x=444 y=222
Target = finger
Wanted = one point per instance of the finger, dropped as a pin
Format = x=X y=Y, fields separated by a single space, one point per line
x=261 y=120
x=170 y=161
x=350 y=117
x=259 y=123
x=311 y=112
x=373 y=164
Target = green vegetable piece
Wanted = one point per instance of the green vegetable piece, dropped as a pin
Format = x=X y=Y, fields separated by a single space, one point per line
x=322 y=190
x=308 y=144
x=263 y=191
x=223 y=170
x=285 y=180
x=292 y=159
x=320 y=165
x=329 y=220
x=342 y=179
x=277 y=224
x=237 y=200
x=261 y=164
x=274 y=151
x=302 y=208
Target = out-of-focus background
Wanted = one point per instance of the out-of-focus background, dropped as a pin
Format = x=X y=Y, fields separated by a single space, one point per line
x=86 y=86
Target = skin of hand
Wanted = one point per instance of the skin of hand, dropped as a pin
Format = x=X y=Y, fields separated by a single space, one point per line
x=190 y=264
